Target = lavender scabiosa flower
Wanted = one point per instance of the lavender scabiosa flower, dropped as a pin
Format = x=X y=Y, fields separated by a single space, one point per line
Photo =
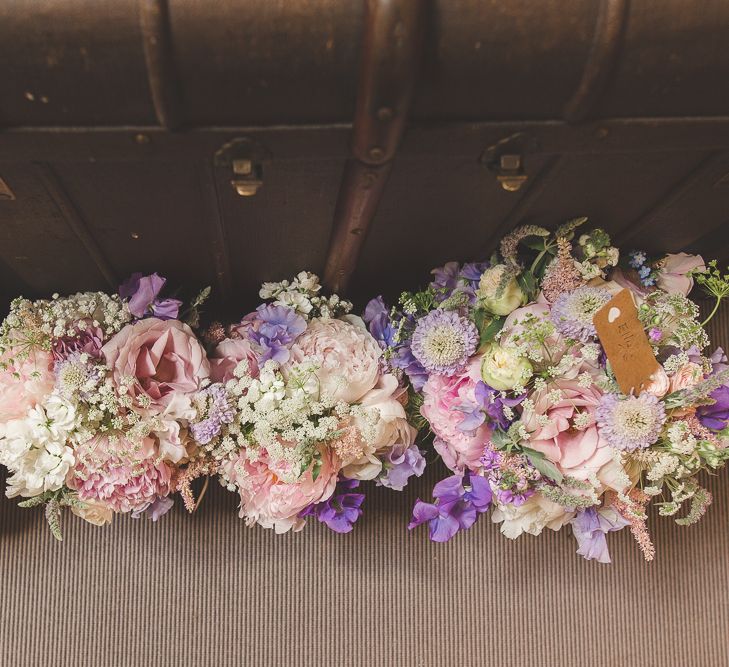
x=459 y=501
x=400 y=465
x=341 y=511
x=443 y=341
x=276 y=327
x=572 y=312
x=219 y=412
x=632 y=422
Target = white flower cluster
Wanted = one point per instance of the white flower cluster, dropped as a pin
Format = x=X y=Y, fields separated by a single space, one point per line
x=66 y=316
x=302 y=294
x=287 y=418
x=36 y=448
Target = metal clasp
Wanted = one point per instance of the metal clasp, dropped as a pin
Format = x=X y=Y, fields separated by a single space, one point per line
x=246 y=158
x=506 y=159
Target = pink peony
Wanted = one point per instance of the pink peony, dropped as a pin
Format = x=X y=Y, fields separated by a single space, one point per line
x=347 y=357
x=578 y=450
x=227 y=355
x=164 y=356
x=442 y=397
x=269 y=501
x=118 y=475
x=672 y=275
x=24 y=383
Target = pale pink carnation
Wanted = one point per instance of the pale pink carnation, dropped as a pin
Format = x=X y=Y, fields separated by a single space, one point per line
x=119 y=475
x=24 y=383
x=272 y=503
x=442 y=397
x=164 y=357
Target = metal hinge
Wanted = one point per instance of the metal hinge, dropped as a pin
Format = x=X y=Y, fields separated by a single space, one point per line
x=506 y=159
x=245 y=158
x=5 y=191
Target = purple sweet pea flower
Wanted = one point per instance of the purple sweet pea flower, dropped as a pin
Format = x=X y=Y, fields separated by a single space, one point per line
x=155 y=510
x=452 y=278
x=489 y=403
x=459 y=501
x=340 y=512
x=377 y=318
x=716 y=415
x=590 y=528
x=278 y=327
x=142 y=292
x=400 y=465
x=404 y=359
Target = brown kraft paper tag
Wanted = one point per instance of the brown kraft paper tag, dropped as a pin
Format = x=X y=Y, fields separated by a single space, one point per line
x=625 y=342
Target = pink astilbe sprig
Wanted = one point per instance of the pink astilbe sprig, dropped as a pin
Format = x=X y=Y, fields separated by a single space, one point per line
x=698 y=430
x=632 y=509
x=182 y=482
x=562 y=275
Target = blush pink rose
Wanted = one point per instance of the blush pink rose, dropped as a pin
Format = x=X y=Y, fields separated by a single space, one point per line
x=442 y=398
x=672 y=276
x=164 y=356
x=578 y=452
x=227 y=355
x=24 y=383
x=119 y=475
x=273 y=503
x=688 y=375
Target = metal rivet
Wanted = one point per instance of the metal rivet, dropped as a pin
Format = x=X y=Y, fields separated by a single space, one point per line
x=135 y=235
x=29 y=96
x=376 y=153
x=141 y=138
x=385 y=113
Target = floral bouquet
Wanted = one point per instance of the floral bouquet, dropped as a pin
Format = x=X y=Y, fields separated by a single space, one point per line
x=530 y=412
x=301 y=409
x=96 y=394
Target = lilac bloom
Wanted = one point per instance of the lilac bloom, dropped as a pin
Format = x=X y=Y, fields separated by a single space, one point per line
x=377 y=318
x=141 y=293
x=340 y=512
x=716 y=415
x=155 y=510
x=459 y=501
x=590 y=528
x=277 y=327
x=400 y=465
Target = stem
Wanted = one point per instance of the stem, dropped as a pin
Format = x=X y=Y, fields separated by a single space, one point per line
x=713 y=312
x=202 y=494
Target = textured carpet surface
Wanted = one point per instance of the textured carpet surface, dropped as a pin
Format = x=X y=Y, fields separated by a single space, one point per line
x=205 y=590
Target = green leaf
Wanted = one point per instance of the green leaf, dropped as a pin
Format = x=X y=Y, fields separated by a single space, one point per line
x=547 y=468
x=488 y=325
x=528 y=284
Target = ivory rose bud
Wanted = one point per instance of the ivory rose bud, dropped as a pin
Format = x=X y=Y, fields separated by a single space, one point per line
x=497 y=293
x=163 y=356
x=95 y=513
x=503 y=369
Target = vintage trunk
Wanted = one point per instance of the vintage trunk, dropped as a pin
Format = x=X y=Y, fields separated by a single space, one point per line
x=237 y=141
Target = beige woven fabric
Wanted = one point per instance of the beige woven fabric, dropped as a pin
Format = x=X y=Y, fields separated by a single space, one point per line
x=205 y=590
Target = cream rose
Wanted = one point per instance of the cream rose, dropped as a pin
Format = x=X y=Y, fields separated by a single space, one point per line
x=499 y=301
x=503 y=369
